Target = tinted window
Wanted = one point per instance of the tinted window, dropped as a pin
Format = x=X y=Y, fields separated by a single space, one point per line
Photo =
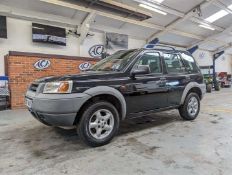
x=190 y=63
x=116 y=62
x=152 y=60
x=173 y=63
x=3 y=28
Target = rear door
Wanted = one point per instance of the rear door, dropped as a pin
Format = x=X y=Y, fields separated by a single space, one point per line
x=192 y=68
x=176 y=77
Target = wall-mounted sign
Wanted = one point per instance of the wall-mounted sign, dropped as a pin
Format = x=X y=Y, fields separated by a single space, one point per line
x=42 y=64
x=202 y=55
x=85 y=66
x=96 y=50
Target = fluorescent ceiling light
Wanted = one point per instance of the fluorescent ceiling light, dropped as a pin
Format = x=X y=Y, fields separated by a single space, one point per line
x=152 y=9
x=206 y=27
x=217 y=16
x=159 y=1
x=230 y=6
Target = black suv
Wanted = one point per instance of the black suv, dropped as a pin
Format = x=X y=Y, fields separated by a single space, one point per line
x=127 y=84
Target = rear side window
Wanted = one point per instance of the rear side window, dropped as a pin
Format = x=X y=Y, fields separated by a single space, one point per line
x=190 y=63
x=173 y=63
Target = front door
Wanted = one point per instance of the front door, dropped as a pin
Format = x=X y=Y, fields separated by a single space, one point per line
x=147 y=92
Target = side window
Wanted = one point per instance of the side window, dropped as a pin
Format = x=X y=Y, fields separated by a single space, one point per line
x=152 y=60
x=173 y=63
x=190 y=63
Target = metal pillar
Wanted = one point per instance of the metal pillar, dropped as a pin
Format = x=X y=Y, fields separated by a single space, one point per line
x=215 y=57
x=193 y=49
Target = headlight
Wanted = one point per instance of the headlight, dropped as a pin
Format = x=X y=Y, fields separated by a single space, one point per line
x=61 y=87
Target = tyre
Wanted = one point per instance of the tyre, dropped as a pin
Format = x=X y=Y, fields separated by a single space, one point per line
x=209 y=88
x=217 y=87
x=191 y=107
x=99 y=124
x=222 y=85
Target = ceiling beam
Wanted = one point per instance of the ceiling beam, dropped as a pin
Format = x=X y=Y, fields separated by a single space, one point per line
x=116 y=17
x=189 y=35
x=222 y=6
x=104 y=14
x=181 y=14
x=85 y=26
x=125 y=6
x=164 y=8
x=212 y=38
x=188 y=15
x=223 y=48
x=37 y=17
x=204 y=22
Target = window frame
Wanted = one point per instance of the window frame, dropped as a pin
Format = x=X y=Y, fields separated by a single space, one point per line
x=160 y=59
x=186 y=67
x=180 y=59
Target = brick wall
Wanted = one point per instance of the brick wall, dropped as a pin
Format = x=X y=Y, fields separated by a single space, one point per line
x=21 y=71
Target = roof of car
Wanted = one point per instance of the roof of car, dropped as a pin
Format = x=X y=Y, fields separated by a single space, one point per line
x=167 y=50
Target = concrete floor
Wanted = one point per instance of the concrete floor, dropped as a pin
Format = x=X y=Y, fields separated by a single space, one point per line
x=161 y=144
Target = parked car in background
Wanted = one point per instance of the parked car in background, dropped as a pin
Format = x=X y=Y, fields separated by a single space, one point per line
x=127 y=84
x=225 y=79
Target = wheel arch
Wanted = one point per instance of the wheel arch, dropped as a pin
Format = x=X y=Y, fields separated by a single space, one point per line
x=104 y=93
x=199 y=89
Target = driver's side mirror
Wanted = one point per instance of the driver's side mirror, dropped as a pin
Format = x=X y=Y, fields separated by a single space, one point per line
x=141 y=70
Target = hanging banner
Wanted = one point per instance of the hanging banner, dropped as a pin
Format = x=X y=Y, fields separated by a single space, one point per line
x=115 y=42
x=96 y=51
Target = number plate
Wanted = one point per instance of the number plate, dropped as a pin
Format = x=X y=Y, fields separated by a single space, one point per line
x=28 y=103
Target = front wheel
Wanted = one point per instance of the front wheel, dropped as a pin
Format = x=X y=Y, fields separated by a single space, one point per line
x=99 y=123
x=191 y=107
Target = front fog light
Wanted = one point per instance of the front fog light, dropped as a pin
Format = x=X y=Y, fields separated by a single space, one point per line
x=62 y=87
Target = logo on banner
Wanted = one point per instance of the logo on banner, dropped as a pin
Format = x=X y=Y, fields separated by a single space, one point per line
x=85 y=66
x=201 y=55
x=42 y=64
x=96 y=50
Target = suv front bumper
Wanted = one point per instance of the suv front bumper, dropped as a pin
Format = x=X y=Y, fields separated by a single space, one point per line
x=55 y=109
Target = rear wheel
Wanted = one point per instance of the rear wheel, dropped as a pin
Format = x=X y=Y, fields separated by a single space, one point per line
x=99 y=124
x=191 y=107
x=217 y=86
x=209 y=88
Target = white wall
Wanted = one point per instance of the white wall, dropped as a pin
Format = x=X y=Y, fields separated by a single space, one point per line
x=99 y=38
x=205 y=58
x=20 y=39
x=224 y=64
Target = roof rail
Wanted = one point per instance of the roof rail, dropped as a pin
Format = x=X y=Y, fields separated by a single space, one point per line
x=152 y=46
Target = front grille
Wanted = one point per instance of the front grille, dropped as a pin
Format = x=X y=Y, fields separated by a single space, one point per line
x=34 y=87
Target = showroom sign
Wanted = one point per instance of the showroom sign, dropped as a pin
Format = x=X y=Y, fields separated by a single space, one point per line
x=42 y=64
x=85 y=66
x=202 y=55
x=96 y=50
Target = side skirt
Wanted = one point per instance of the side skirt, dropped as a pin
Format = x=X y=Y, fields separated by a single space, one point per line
x=146 y=113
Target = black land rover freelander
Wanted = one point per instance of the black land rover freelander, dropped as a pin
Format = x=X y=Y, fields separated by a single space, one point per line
x=127 y=84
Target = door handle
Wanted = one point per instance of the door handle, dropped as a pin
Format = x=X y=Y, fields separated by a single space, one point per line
x=188 y=78
x=163 y=80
